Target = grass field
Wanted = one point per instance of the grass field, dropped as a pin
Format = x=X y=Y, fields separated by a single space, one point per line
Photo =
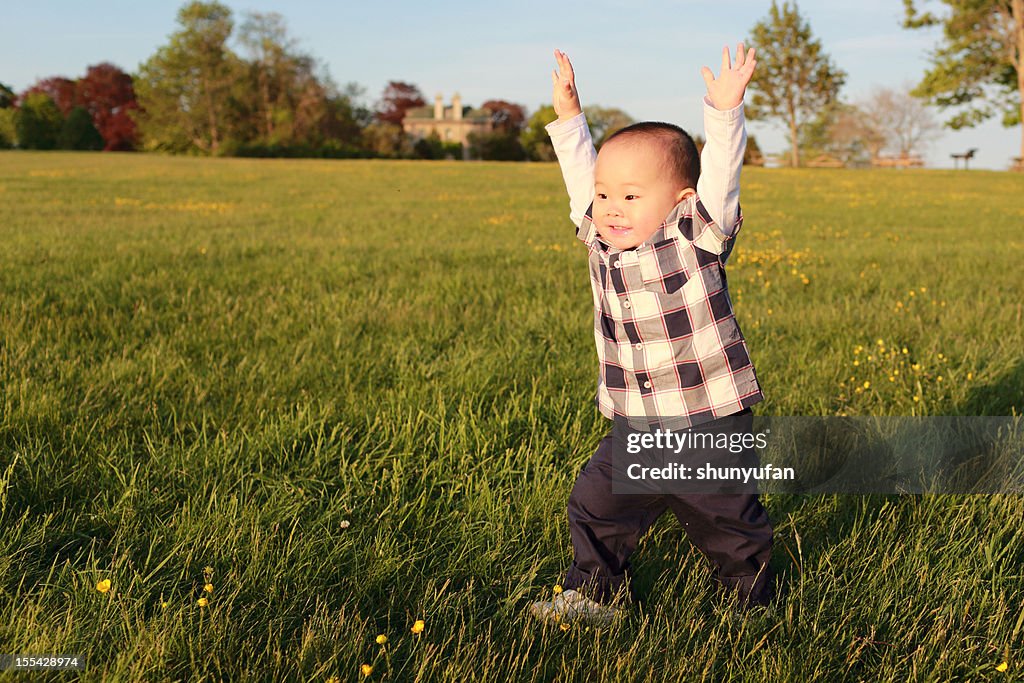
x=353 y=395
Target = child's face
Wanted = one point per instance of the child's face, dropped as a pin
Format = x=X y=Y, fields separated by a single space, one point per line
x=634 y=191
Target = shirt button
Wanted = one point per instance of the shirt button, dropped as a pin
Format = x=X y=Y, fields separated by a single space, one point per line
x=647 y=385
x=625 y=304
x=617 y=264
x=638 y=346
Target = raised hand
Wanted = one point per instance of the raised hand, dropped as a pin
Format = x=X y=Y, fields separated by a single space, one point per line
x=563 y=89
x=726 y=91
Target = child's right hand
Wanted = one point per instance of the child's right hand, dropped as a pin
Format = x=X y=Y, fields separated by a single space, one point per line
x=563 y=89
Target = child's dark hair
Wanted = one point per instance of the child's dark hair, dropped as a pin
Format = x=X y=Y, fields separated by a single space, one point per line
x=677 y=143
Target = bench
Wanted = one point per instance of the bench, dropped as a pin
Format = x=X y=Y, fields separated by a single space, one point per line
x=825 y=161
x=966 y=156
x=902 y=161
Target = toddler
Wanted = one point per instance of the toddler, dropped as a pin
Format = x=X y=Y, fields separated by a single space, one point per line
x=659 y=222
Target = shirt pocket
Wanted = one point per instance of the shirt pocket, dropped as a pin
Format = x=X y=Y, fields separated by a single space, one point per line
x=662 y=267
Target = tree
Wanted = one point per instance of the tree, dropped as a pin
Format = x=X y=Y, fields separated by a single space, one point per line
x=347 y=116
x=535 y=140
x=840 y=131
x=266 y=38
x=78 y=132
x=387 y=140
x=752 y=154
x=184 y=90
x=7 y=100
x=604 y=121
x=397 y=98
x=7 y=96
x=502 y=143
x=979 y=65
x=901 y=121
x=795 y=79
x=495 y=146
x=60 y=89
x=506 y=116
x=108 y=94
x=37 y=121
x=288 y=98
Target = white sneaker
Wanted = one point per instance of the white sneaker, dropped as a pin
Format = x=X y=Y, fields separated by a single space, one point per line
x=570 y=607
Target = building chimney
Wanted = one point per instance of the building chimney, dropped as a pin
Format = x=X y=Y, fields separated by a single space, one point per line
x=457 y=107
x=438 y=107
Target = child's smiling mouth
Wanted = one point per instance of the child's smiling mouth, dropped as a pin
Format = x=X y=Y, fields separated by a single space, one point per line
x=619 y=229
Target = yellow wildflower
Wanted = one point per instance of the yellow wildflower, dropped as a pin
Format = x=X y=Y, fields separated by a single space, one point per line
x=867 y=384
x=557 y=589
x=916 y=399
x=1002 y=667
x=366 y=669
x=103 y=586
x=382 y=639
x=970 y=376
x=208 y=588
x=417 y=627
x=202 y=602
x=333 y=679
x=564 y=627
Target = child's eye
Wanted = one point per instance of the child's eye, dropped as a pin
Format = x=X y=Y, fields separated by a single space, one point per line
x=630 y=196
x=602 y=196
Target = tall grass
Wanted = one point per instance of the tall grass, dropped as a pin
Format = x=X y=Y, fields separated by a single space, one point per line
x=359 y=393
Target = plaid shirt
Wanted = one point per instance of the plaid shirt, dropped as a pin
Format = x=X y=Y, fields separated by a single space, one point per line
x=667 y=339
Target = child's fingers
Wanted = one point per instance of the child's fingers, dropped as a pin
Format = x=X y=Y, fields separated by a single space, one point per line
x=709 y=77
x=725 y=59
x=567 y=66
x=739 y=55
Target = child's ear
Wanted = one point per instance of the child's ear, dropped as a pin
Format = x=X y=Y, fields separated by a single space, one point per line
x=684 y=193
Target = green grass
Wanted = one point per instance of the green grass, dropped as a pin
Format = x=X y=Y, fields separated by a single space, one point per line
x=214 y=363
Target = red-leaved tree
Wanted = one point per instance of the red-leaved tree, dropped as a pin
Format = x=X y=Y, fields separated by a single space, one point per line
x=107 y=93
x=506 y=116
x=61 y=90
x=398 y=97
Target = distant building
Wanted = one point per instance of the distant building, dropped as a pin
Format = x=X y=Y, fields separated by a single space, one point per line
x=452 y=124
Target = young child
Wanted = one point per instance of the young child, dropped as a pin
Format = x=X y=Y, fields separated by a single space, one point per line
x=658 y=230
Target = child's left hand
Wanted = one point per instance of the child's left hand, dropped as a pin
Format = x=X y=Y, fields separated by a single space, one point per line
x=726 y=91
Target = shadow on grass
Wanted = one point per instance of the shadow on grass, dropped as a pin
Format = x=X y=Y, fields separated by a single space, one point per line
x=1002 y=396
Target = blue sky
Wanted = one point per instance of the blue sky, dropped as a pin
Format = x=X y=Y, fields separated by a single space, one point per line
x=643 y=56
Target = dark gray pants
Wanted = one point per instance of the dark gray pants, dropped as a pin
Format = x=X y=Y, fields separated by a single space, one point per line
x=732 y=530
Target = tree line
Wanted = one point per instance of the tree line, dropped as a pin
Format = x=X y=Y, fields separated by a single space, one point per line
x=267 y=97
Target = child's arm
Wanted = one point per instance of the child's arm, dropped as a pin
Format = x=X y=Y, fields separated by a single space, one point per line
x=722 y=157
x=570 y=138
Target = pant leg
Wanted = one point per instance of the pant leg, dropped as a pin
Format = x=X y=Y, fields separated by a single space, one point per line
x=605 y=527
x=732 y=529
